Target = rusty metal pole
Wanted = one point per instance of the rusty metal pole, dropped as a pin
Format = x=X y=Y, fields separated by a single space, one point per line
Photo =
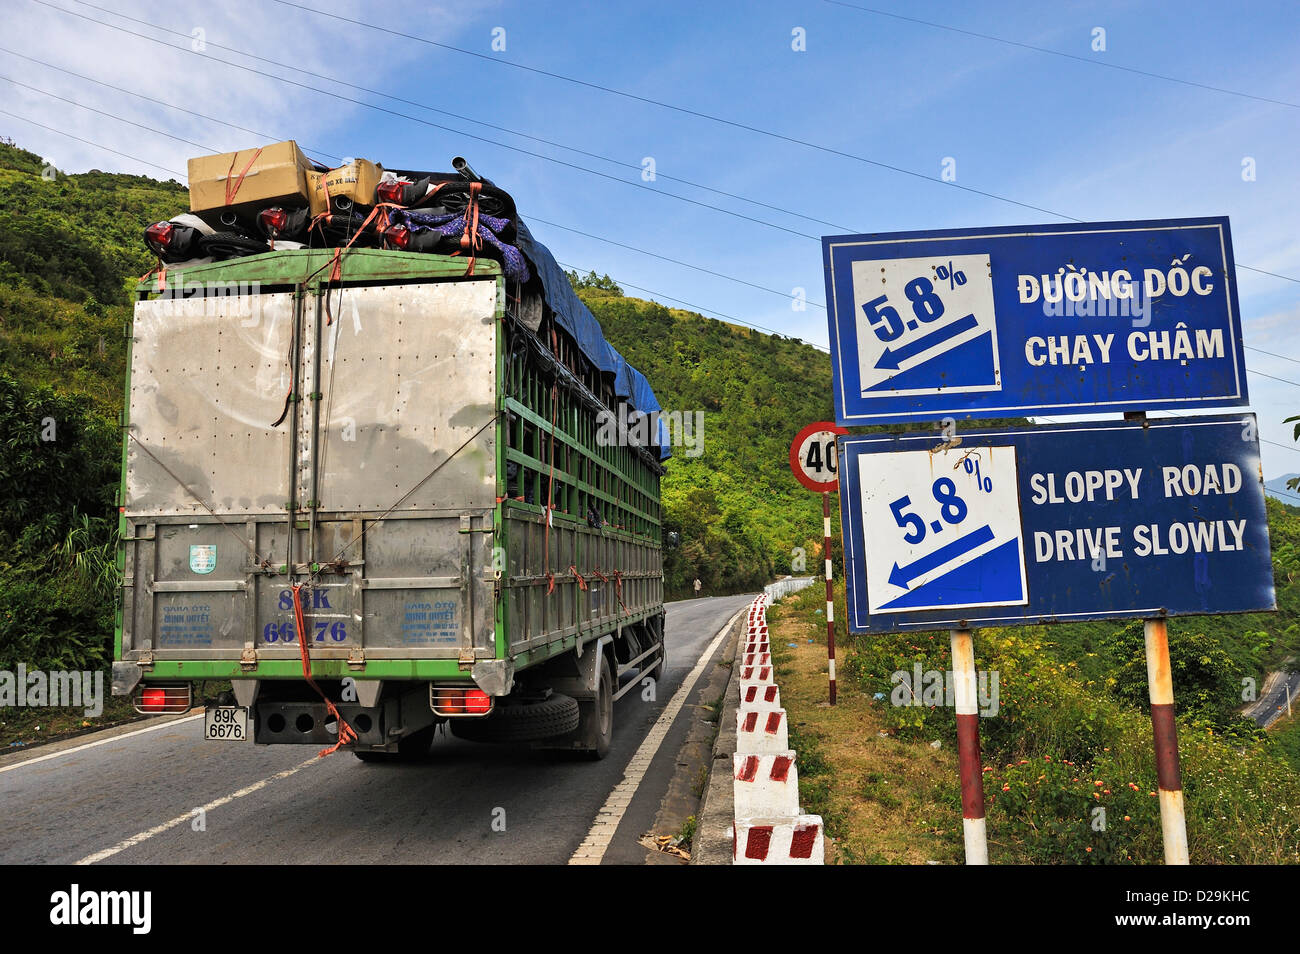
x=1160 y=684
x=830 y=593
x=968 y=747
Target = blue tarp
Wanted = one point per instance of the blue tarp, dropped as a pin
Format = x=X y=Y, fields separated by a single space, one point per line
x=576 y=318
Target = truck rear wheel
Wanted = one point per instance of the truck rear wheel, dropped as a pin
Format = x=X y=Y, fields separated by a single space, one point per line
x=521 y=721
x=596 y=718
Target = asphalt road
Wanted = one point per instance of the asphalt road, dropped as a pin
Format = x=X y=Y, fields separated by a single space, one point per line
x=1271 y=705
x=132 y=800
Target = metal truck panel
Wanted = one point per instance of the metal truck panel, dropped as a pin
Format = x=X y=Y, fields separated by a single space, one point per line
x=387 y=383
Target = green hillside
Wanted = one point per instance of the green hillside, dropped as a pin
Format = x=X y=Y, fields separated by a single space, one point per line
x=737 y=507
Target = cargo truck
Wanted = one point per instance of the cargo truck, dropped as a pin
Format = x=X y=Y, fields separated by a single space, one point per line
x=384 y=492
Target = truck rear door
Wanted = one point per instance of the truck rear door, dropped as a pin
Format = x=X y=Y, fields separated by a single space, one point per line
x=274 y=438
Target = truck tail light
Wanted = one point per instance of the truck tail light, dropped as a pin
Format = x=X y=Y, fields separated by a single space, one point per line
x=158 y=700
x=459 y=701
x=392 y=190
x=273 y=220
x=399 y=236
x=159 y=235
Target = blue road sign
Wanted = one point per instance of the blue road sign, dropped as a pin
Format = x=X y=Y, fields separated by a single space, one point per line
x=1054 y=524
x=1000 y=322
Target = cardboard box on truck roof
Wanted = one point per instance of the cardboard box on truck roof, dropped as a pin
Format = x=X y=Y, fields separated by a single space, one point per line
x=261 y=176
x=356 y=181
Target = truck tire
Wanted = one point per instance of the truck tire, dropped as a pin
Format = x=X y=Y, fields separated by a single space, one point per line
x=596 y=722
x=410 y=748
x=521 y=721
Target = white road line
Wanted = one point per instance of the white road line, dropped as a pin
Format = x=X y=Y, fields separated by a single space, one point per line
x=181 y=819
x=90 y=745
x=593 y=847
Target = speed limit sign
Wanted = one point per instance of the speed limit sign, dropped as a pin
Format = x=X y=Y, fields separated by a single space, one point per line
x=813 y=458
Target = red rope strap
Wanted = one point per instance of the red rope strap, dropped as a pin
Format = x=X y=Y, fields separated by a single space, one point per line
x=232 y=191
x=618 y=587
x=550 y=485
x=346 y=733
x=161 y=269
x=469 y=239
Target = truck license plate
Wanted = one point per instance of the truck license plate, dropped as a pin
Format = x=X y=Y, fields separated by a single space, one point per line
x=225 y=723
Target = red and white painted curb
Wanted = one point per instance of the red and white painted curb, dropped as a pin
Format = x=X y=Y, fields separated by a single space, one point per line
x=778 y=841
x=762 y=733
x=759 y=696
x=768 y=826
x=766 y=785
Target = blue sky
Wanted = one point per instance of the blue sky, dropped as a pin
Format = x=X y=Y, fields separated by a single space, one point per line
x=1070 y=136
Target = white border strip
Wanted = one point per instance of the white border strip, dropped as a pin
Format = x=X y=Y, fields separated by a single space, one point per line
x=188 y=816
x=593 y=847
x=91 y=745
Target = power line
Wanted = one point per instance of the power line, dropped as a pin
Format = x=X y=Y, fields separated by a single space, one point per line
x=265 y=135
x=1273 y=354
x=279 y=63
x=700 y=308
x=1069 y=56
x=530 y=218
x=665 y=105
x=121 y=119
x=529 y=152
x=1273 y=377
x=151 y=99
x=416 y=119
x=675 y=261
x=89 y=143
x=650 y=291
x=542 y=221
x=722 y=119
x=598 y=238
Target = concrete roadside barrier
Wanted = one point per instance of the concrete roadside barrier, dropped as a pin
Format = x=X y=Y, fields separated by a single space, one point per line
x=765 y=824
x=759 y=695
x=800 y=840
x=766 y=785
x=762 y=732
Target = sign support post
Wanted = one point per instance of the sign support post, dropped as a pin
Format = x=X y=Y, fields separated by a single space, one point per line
x=814 y=461
x=830 y=592
x=968 y=748
x=1160 y=683
x=1160 y=689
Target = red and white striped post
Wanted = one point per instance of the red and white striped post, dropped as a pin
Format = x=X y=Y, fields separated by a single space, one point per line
x=968 y=748
x=814 y=459
x=830 y=593
x=1160 y=685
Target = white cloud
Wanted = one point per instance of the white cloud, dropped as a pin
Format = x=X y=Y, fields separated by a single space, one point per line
x=263 y=103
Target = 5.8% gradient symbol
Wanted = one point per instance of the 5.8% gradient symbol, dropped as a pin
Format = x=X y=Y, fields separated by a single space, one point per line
x=973 y=467
x=953 y=276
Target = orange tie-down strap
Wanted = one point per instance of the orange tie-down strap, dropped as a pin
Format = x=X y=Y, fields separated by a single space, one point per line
x=346 y=733
x=335 y=264
x=233 y=183
x=618 y=587
x=161 y=269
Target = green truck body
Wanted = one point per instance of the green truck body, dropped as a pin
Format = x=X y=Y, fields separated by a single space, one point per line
x=384 y=431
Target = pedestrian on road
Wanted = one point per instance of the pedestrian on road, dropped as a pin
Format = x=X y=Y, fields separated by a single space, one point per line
x=698 y=586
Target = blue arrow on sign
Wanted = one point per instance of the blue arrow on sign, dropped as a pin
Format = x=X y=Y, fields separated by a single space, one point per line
x=893 y=357
x=901 y=576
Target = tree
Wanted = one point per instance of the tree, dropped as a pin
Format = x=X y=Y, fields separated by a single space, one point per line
x=602 y=284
